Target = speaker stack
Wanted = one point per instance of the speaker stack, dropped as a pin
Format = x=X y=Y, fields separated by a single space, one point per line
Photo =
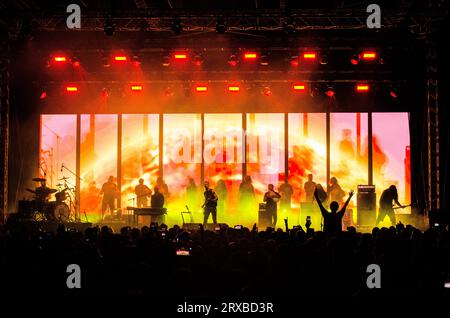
x=366 y=205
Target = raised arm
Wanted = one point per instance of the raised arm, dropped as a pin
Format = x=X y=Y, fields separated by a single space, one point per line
x=350 y=195
x=322 y=209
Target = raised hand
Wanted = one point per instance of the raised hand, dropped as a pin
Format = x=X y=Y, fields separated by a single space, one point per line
x=351 y=193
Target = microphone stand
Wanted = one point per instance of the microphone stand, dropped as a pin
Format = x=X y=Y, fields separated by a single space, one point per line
x=77 y=217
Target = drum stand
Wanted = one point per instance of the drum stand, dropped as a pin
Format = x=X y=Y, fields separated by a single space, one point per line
x=73 y=190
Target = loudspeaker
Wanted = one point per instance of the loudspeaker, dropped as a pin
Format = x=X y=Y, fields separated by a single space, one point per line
x=191 y=226
x=366 y=206
x=264 y=218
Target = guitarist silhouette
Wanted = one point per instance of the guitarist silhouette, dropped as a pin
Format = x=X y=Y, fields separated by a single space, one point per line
x=210 y=205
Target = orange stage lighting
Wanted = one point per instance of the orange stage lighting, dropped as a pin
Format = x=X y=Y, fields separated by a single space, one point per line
x=136 y=88
x=234 y=88
x=309 y=55
x=299 y=87
x=71 y=89
x=180 y=56
x=362 y=88
x=120 y=58
x=368 y=55
x=201 y=89
x=250 y=56
x=60 y=59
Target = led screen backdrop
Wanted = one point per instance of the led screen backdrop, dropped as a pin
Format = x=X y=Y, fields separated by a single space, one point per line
x=214 y=147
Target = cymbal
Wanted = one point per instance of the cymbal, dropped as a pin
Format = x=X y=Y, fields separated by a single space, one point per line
x=39 y=179
x=52 y=190
x=59 y=185
x=64 y=178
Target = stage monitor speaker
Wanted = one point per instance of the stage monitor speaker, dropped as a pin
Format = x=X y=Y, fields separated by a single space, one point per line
x=191 y=226
x=366 y=208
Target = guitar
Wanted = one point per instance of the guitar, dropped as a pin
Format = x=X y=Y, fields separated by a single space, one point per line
x=401 y=207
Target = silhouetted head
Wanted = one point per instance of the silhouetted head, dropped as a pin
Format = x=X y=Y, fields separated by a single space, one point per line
x=111 y=179
x=156 y=189
x=310 y=177
x=270 y=187
x=334 y=206
x=141 y=181
x=393 y=188
x=333 y=181
x=206 y=184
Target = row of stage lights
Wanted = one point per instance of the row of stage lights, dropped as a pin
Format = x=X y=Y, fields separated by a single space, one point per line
x=197 y=59
x=314 y=89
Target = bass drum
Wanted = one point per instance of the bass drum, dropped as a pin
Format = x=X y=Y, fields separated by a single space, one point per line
x=59 y=212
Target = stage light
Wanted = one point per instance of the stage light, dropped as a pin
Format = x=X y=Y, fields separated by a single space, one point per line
x=166 y=61
x=250 y=56
x=294 y=60
x=233 y=60
x=263 y=60
x=234 y=89
x=71 y=89
x=309 y=55
x=108 y=27
x=289 y=26
x=267 y=91
x=354 y=59
x=60 y=59
x=168 y=91
x=120 y=58
x=105 y=92
x=180 y=56
x=135 y=60
x=329 y=91
x=221 y=26
x=43 y=95
x=369 y=55
x=362 y=88
x=106 y=61
x=136 y=88
x=323 y=59
x=299 y=87
x=201 y=88
x=198 y=60
x=176 y=26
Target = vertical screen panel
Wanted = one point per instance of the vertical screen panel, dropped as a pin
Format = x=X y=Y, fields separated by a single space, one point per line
x=223 y=158
x=140 y=153
x=58 y=148
x=348 y=149
x=98 y=156
x=182 y=158
x=391 y=158
x=307 y=151
x=265 y=152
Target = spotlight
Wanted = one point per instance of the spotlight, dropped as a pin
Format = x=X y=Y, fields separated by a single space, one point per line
x=176 y=26
x=294 y=60
x=135 y=60
x=75 y=62
x=221 y=26
x=59 y=59
x=43 y=95
x=393 y=90
x=299 y=87
x=166 y=60
x=201 y=88
x=354 y=58
x=105 y=61
x=330 y=92
x=105 y=92
x=323 y=59
x=198 y=60
x=234 y=88
x=309 y=55
x=263 y=60
x=71 y=89
x=108 y=27
x=180 y=56
x=136 y=88
x=233 y=60
x=369 y=55
x=120 y=58
x=168 y=91
x=362 y=88
x=250 y=56
x=267 y=91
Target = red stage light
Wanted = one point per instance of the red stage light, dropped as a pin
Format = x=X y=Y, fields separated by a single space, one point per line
x=250 y=55
x=234 y=89
x=299 y=87
x=120 y=58
x=43 y=95
x=60 y=59
x=136 y=88
x=76 y=64
x=267 y=91
x=180 y=56
x=368 y=55
x=71 y=89
x=201 y=89
x=309 y=56
x=362 y=88
x=330 y=92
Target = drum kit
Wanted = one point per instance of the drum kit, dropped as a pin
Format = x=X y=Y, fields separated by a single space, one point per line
x=39 y=208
